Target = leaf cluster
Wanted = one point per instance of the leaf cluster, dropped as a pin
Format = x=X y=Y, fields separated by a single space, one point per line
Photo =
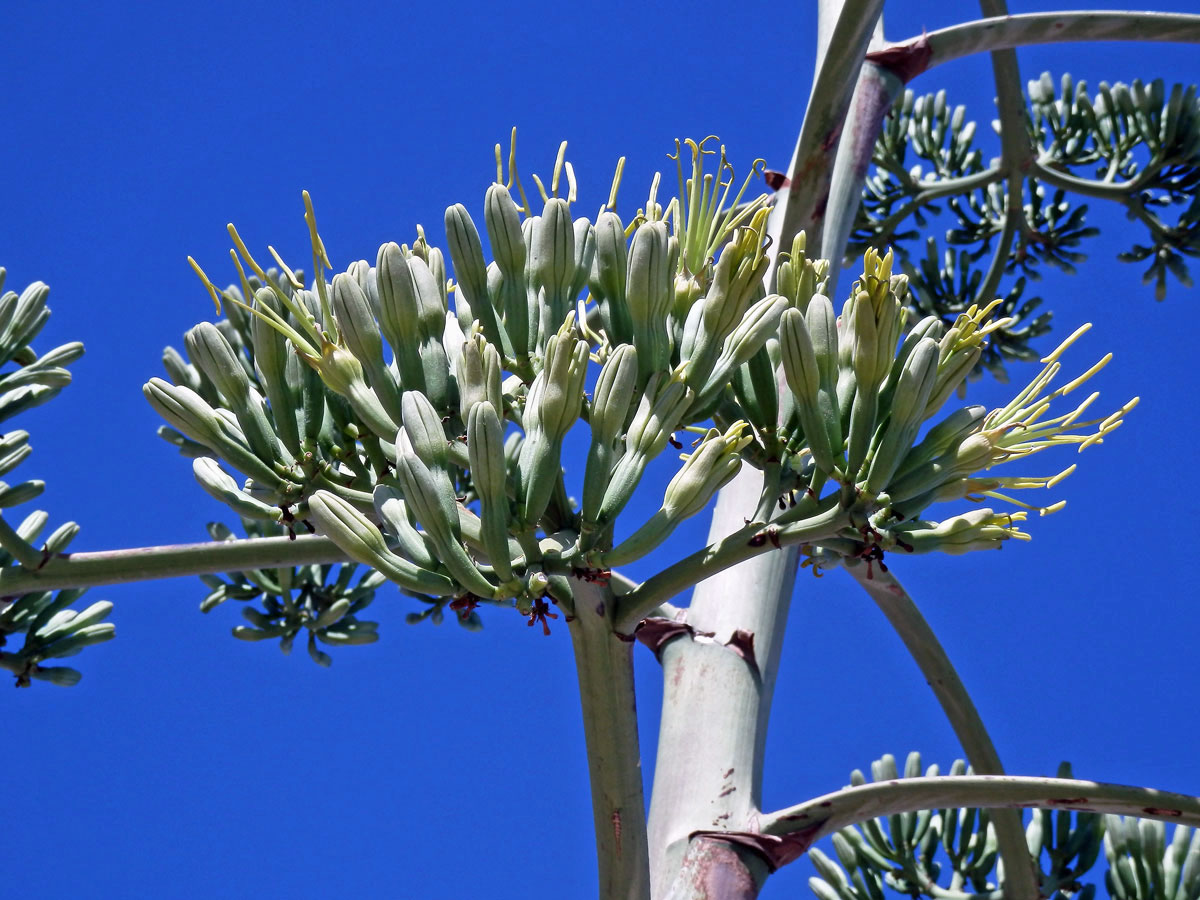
x=952 y=854
x=27 y=379
x=1137 y=145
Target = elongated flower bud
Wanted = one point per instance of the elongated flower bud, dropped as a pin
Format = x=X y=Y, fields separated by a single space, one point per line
x=648 y=291
x=359 y=538
x=221 y=486
x=423 y=426
x=485 y=444
x=554 y=262
x=399 y=315
x=614 y=394
x=466 y=252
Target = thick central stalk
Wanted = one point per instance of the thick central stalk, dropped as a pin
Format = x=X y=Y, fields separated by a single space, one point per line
x=717 y=688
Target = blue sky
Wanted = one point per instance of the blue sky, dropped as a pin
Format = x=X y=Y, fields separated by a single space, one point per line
x=438 y=763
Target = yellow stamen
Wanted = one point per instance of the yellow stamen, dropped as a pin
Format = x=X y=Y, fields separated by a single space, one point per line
x=1061 y=348
x=1070 y=386
x=212 y=290
x=295 y=282
x=1060 y=476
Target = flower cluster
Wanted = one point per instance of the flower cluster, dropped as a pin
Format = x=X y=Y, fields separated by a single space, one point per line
x=426 y=440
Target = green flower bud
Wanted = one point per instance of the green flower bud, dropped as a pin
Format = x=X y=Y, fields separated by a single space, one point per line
x=71 y=643
x=14 y=447
x=951 y=374
x=187 y=411
x=907 y=412
x=342 y=373
x=25 y=317
x=271 y=356
x=815 y=400
x=979 y=529
x=506 y=282
x=648 y=292
x=393 y=514
x=430 y=495
x=864 y=343
x=63 y=676
x=466 y=252
x=799 y=361
x=399 y=315
x=424 y=428
x=485 y=444
x=554 y=261
x=360 y=539
x=223 y=366
x=657 y=418
x=356 y=322
x=823 y=331
x=213 y=356
x=705 y=471
x=663 y=404
x=503 y=221
x=184 y=373
x=608 y=275
x=941 y=437
x=220 y=485
x=760 y=322
x=615 y=392
x=585 y=252
x=974 y=453
x=556 y=396
x=478 y=372
x=17 y=494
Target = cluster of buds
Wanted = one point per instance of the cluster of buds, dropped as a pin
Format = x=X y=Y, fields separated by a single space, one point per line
x=323 y=601
x=426 y=441
x=51 y=629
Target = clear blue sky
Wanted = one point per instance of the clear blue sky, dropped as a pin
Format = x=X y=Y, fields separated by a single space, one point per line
x=437 y=763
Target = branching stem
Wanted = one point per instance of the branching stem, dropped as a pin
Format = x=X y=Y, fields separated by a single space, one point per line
x=822 y=816
x=171 y=561
x=1004 y=32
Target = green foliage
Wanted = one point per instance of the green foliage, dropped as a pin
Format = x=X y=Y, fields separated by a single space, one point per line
x=51 y=629
x=952 y=853
x=1137 y=145
x=323 y=600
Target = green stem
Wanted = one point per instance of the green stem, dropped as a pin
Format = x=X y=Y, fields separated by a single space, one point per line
x=822 y=816
x=801 y=205
x=150 y=563
x=19 y=548
x=1003 y=32
x=936 y=191
x=1088 y=187
x=745 y=543
x=874 y=93
x=604 y=661
x=929 y=655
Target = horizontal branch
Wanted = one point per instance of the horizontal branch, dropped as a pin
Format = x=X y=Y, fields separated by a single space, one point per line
x=172 y=561
x=1119 y=191
x=824 y=815
x=919 y=54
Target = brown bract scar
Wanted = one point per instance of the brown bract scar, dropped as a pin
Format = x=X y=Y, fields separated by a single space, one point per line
x=905 y=60
x=776 y=850
x=657 y=631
